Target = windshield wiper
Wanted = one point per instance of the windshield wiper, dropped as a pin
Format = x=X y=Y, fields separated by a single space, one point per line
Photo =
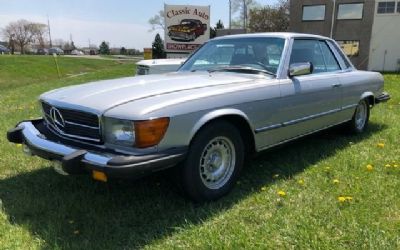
x=241 y=69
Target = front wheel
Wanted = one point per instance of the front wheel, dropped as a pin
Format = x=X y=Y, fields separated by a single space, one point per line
x=360 y=119
x=213 y=163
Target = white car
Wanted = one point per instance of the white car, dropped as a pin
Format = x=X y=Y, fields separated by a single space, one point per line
x=158 y=66
x=76 y=52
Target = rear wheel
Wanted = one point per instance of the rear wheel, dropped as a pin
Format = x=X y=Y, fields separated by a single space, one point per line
x=360 y=119
x=213 y=163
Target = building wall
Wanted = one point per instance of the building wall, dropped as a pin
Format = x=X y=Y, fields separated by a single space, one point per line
x=385 y=42
x=357 y=30
x=313 y=27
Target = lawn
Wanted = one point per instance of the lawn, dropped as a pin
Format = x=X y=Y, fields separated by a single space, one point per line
x=326 y=191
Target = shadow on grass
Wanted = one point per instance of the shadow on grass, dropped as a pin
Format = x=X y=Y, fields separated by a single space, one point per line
x=75 y=212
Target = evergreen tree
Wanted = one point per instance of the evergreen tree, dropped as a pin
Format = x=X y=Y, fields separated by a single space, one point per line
x=122 y=51
x=104 y=48
x=213 y=31
x=158 y=47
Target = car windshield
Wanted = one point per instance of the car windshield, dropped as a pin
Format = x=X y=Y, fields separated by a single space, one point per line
x=245 y=55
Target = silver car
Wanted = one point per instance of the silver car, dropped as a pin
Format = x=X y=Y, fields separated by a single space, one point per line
x=236 y=95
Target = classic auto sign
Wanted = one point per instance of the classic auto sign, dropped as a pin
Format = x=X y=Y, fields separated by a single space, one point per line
x=186 y=27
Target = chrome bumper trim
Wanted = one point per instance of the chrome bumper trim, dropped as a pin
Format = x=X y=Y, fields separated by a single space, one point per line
x=35 y=138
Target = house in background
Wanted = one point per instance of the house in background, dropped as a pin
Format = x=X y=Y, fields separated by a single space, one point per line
x=368 y=31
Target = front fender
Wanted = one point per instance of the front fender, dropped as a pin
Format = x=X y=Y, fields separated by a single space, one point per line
x=369 y=96
x=216 y=114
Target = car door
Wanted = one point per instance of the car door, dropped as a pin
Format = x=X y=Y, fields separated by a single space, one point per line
x=310 y=102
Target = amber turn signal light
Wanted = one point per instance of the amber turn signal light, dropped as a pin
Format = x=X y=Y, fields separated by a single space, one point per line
x=149 y=133
x=99 y=176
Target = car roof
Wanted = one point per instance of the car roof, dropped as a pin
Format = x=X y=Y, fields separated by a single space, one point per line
x=284 y=35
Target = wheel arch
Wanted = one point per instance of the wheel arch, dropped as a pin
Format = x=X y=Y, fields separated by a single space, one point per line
x=236 y=117
x=369 y=96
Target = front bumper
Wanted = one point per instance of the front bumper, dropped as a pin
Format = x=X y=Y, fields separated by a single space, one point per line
x=76 y=160
x=384 y=97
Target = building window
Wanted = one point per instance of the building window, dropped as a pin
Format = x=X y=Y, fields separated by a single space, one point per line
x=350 y=48
x=386 y=7
x=350 y=11
x=398 y=7
x=314 y=13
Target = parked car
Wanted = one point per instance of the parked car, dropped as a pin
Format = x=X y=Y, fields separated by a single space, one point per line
x=42 y=51
x=56 y=51
x=158 y=66
x=235 y=96
x=187 y=30
x=77 y=52
x=4 y=50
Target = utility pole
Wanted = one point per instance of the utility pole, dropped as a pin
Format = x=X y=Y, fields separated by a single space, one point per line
x=230 y=14
x=48 y=25
x=244 y=14
x=333 y=18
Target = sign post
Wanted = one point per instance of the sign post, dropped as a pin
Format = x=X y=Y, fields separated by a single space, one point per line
x=148 y=53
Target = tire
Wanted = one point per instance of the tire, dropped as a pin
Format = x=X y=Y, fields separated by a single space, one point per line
x=213 y=163
x=360 y=119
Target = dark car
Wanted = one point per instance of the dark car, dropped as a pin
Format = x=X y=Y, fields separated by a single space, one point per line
x=56 y=51
x=42 y=52
x=4 y=50
x=187 y=30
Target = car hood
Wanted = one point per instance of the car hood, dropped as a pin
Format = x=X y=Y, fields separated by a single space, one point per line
x=98 y=97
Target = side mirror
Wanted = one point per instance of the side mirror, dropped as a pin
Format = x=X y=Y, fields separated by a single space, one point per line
x=299 y=69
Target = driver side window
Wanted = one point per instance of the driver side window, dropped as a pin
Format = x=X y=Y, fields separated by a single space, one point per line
x=316 y=52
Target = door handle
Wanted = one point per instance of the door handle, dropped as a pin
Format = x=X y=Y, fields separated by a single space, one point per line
x=336 y=85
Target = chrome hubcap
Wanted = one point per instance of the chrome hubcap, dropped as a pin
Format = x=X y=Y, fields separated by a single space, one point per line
x=361 y=115
x=217 y=162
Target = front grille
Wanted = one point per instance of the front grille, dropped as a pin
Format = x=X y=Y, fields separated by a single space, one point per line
x=72 y=123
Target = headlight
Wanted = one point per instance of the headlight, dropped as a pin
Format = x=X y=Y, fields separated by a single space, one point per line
x=141 y=134
x=120 y=132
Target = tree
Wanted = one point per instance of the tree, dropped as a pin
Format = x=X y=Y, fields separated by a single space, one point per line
x=157 y=21
x=58 y=42
x=104 y=48
x=270 y=18
x=122 y=51
x=219 y=25
x=242 y=7
x=8 y=34
x=39 y=31
x=20 y=32
x=213 y=31
x=158 y=47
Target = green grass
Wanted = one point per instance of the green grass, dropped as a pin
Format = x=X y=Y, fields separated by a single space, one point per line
x=43 y=210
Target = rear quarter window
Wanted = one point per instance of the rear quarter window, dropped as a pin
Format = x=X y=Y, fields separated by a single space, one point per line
x=342 y=57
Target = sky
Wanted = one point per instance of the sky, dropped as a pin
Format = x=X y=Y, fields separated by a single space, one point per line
x=119 y=22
